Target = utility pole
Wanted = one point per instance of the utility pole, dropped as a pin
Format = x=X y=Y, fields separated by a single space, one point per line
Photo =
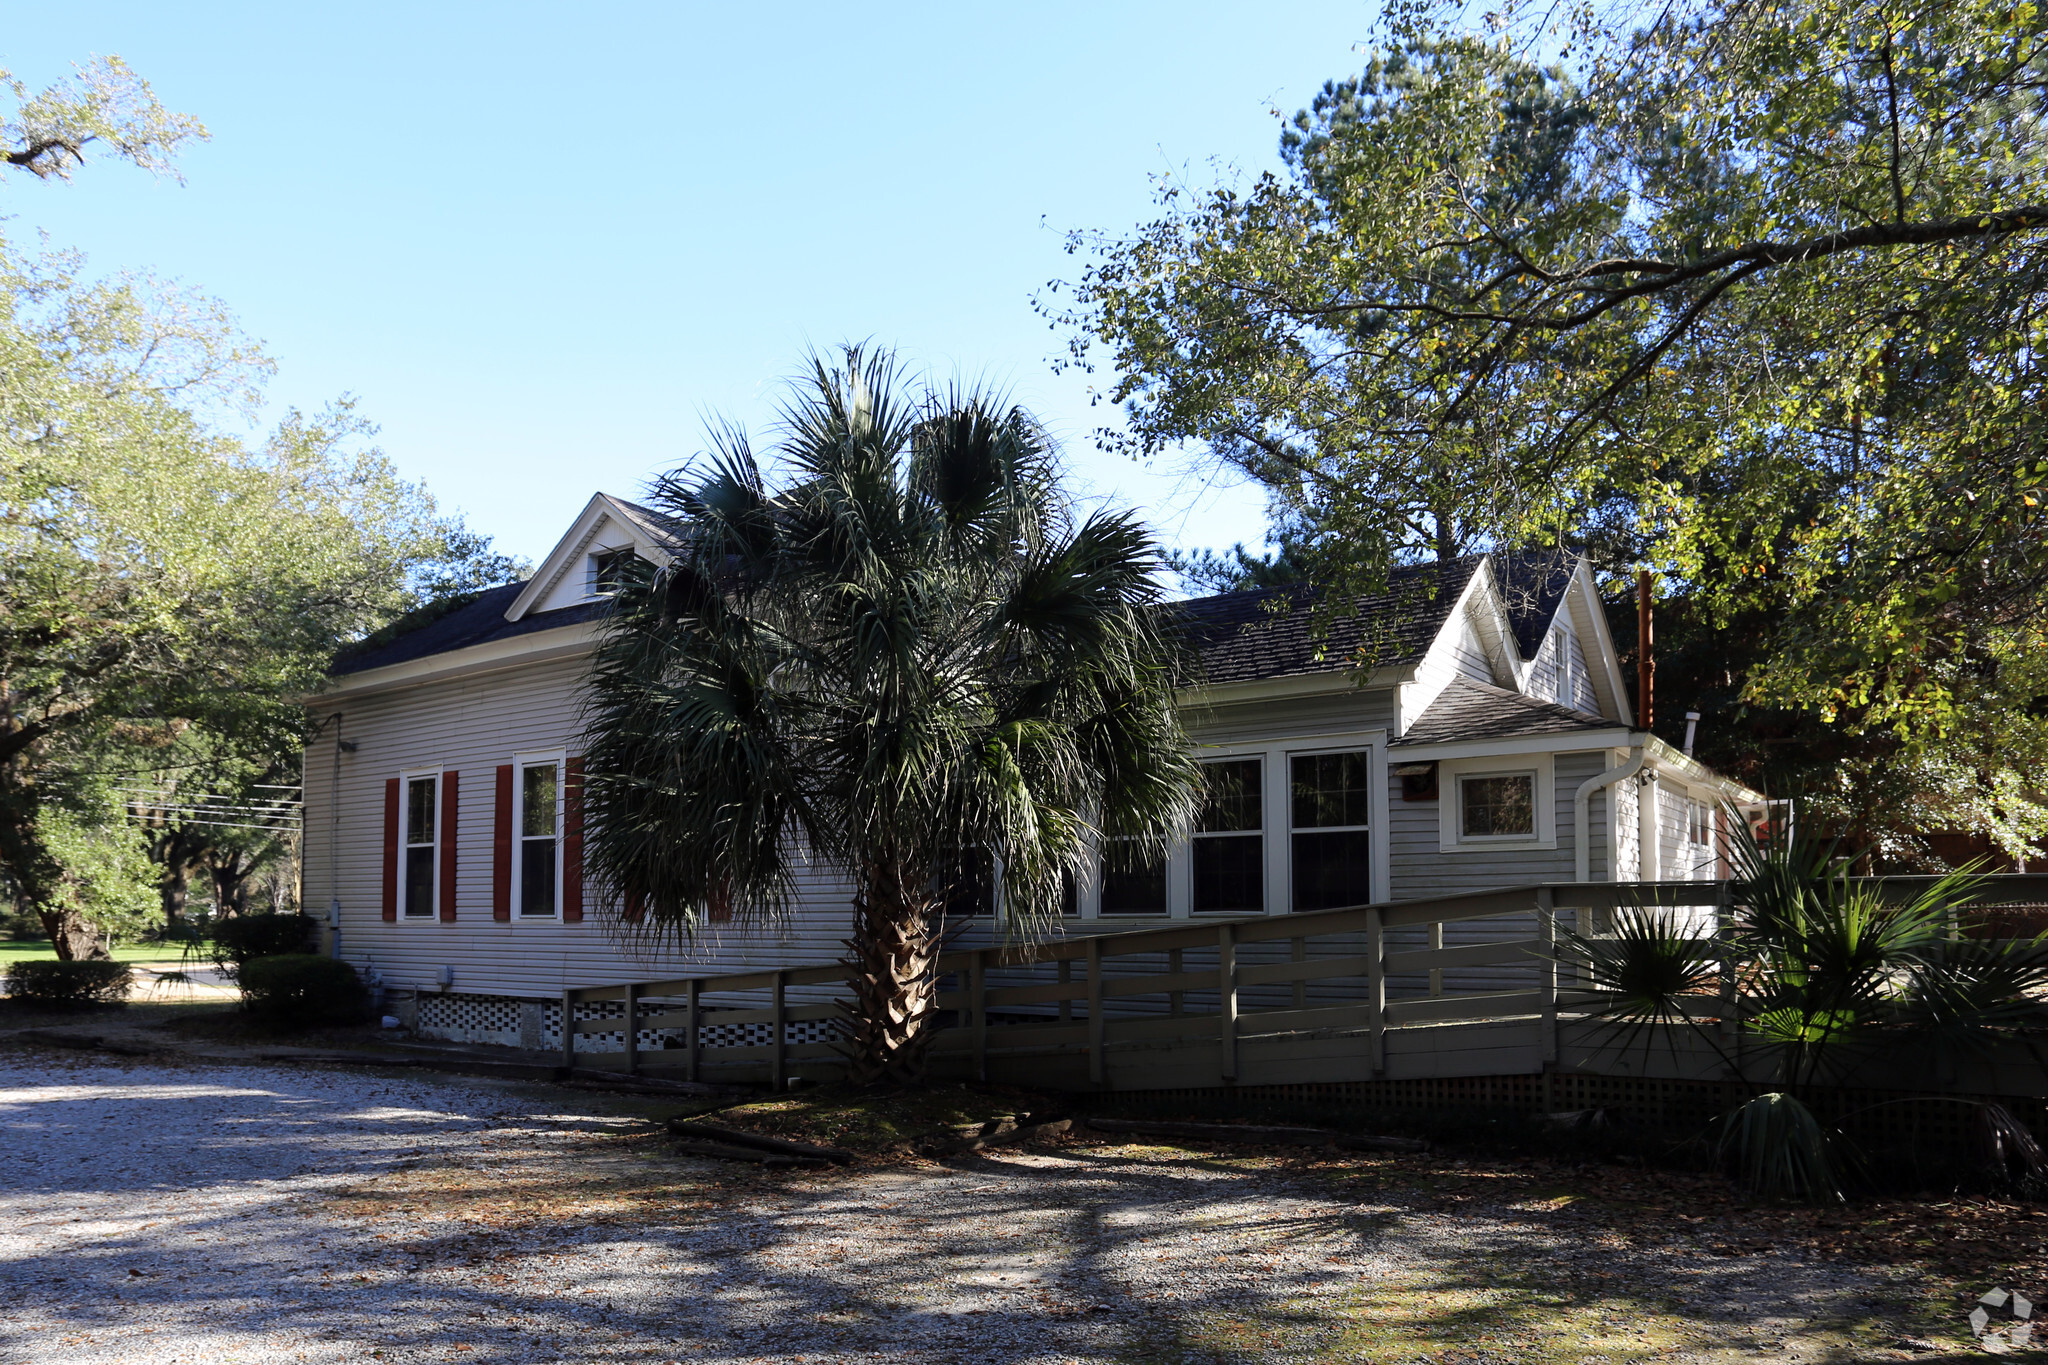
x=1646 y=667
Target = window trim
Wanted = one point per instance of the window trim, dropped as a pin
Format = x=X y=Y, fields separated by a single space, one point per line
x=1375 y=798
x=1263 y=833
x=1451 y=836
x=592 y=568
x=1275 y=755
x=405 y=781
x=520 y=763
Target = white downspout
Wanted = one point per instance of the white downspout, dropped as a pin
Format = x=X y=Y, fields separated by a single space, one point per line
x=1582 y=802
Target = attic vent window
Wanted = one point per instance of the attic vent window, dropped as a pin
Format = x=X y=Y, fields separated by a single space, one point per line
x=608 y=571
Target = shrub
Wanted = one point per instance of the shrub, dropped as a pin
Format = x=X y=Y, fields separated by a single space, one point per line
x=240 y=939
x=52 y=981
x=301 y=990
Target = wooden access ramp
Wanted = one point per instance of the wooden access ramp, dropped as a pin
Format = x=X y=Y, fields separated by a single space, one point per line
x=1455 y=986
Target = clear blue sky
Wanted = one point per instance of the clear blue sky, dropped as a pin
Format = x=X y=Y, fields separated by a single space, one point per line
x=542 y=243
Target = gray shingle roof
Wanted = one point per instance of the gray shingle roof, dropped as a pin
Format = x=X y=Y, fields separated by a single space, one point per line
x=477 y=622
x=1239 y=636
x=1470 y=709
x=1265 y=633
x=1532 y=585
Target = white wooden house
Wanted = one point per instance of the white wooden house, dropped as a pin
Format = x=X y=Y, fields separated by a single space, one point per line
x=1491 y=745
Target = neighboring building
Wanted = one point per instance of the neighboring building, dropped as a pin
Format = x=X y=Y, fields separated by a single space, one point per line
x=1489 y=746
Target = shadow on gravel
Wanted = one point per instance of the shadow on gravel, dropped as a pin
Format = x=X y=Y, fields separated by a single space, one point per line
x=320 y=1215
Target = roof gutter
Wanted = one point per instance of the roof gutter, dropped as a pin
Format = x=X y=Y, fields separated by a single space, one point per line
x=1582 y=802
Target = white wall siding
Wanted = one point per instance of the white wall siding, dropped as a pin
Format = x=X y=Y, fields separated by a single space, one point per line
x=1291 y=717
x=1468 y=650
x=1420 y=868
x=472 y=725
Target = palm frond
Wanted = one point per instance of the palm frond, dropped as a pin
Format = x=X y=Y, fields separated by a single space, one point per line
x=1777 y=1149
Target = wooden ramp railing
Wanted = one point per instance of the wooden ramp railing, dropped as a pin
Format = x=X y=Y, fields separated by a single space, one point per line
x=1356 y=993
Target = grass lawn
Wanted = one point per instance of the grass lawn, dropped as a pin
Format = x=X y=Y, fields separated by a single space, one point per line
x=15 y=951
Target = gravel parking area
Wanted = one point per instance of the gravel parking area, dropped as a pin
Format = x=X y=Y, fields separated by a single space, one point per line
x=187 y=1213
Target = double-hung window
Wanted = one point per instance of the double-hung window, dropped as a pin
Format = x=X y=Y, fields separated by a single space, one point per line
x=1331 y=796
x=417 y=881
x=1699 y=838
x=537 y=861
x=1133 y=886
x=1229 y=843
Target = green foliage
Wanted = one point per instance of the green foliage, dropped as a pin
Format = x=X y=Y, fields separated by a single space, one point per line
x=241 y=939
x=102 y=877
x=51 y=981
x=302 y=990
x=1778 y=1150
x=1823 y=973
x=171 y=591
x=1648 y=973
x=1753 y=294
x=914 y=651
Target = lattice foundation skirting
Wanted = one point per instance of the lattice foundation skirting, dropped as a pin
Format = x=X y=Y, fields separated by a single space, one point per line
x=510 y=1021
x=1669 y=1104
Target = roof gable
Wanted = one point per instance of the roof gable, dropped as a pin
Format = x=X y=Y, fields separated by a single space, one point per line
x=563 y=579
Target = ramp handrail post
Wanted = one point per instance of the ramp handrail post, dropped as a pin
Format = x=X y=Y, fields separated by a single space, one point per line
x=1098 y=1070
x=1436 y=974
x=1546 y=929
x=569 y=1029
x=1376 y=986
x=690 y=1041
x=632 y=1030
x=779 y=1064
x=977 y=998
x=1226 y=998
x=1731 y=1027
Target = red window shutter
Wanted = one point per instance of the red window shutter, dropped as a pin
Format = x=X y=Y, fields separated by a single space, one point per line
x=451 y=828
x=501 y=848
x=391 y=849
x=572 y=842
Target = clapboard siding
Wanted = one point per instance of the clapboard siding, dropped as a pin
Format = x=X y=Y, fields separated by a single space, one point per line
x=1344 y=712
x=1420 y=868
x=1467 y=650
x=471 y=726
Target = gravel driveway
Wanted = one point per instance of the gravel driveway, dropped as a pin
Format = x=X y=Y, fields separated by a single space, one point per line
x=168 y=1213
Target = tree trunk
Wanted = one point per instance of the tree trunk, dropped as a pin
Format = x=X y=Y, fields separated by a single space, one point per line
x=175 y=886
x=1446 y=535
x=230 y=883
x=893 y=952
x=73 y=938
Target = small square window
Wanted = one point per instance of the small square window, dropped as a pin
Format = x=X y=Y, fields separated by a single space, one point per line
x=1498 y=807
x=608 y=569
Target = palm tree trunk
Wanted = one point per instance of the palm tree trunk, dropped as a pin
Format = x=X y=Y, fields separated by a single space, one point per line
x=893 y=951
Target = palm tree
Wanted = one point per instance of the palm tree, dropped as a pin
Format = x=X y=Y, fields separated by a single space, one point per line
x=1823 y=974
x=910 y=652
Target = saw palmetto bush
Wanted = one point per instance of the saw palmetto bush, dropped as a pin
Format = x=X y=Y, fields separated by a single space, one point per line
x=897 y=649
x=1821 y=973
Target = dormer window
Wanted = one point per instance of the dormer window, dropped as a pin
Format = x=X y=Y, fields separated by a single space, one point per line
x=608 y=571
